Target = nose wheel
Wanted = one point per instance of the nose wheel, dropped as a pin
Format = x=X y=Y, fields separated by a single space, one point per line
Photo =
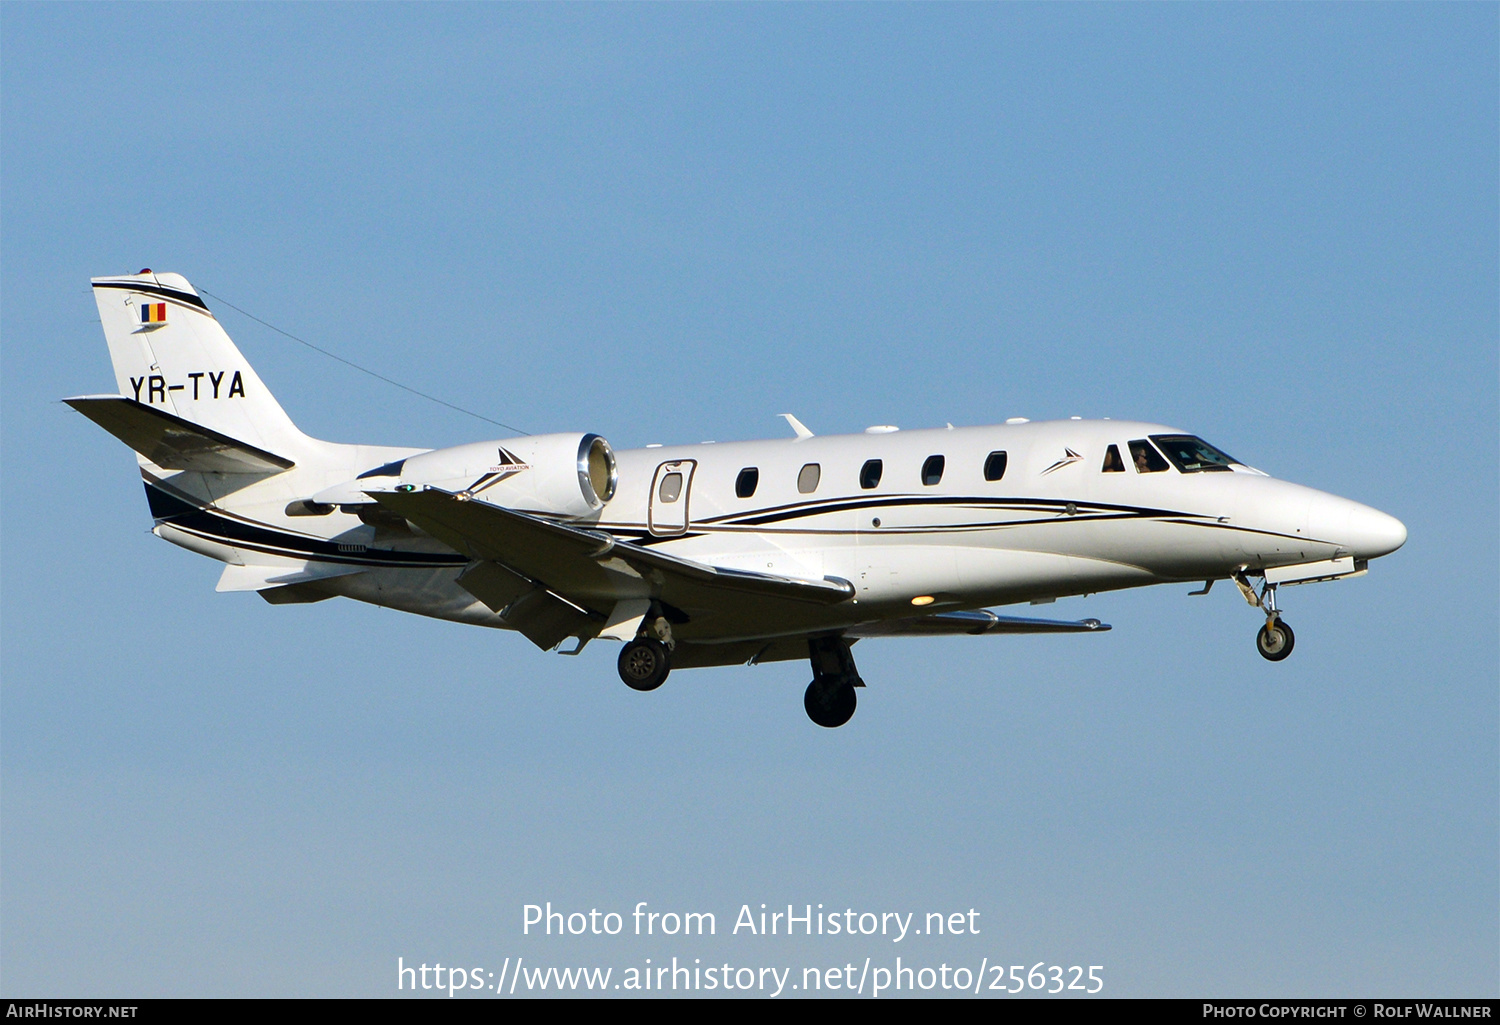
x=1274 y=640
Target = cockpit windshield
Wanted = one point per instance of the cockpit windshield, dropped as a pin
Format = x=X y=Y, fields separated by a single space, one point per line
x=1190 y=454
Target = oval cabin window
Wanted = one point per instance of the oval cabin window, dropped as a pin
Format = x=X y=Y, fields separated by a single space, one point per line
x=671 y=488
x=994 y=466
x=807 y=480
x=932 y=470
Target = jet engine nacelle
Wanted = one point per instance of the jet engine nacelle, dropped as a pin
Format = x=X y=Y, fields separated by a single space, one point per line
x=567 y=475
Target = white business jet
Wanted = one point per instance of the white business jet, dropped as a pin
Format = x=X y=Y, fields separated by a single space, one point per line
x=700 y=555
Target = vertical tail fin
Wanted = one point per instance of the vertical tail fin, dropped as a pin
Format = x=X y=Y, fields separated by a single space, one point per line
x=171 y=354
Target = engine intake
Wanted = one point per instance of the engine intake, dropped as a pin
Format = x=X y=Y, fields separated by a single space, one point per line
x=567 y=475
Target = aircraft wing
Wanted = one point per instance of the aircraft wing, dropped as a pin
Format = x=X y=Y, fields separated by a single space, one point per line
x=565 y=578
x=172 y=442
x=980 y=622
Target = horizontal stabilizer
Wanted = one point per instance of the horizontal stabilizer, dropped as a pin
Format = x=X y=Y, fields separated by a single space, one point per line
x=172 y=442
x=980 y=622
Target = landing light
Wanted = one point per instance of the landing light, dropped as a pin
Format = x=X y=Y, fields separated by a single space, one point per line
x=922 y=599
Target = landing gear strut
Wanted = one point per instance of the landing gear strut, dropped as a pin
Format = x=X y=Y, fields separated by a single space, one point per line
x=830 y=700
x=646 y=661
x=1274 y=641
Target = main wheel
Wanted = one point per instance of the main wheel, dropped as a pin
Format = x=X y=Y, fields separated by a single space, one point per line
x=829 y=703
x=644 y=663
x=1275 y=640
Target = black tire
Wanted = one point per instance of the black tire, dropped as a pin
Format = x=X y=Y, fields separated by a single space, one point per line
x=1275 y=642
x=829 y=703
x=644 y=664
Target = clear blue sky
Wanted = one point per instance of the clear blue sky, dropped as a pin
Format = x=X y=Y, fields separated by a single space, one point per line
x=1274 y=225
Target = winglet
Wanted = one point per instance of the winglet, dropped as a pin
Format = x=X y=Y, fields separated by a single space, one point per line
x=797 y=425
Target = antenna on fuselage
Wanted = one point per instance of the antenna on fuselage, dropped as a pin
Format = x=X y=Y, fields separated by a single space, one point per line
x=797 y=426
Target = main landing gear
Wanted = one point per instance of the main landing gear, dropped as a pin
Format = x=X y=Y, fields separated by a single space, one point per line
x=646 y=661
x=830 y=699
x=1274 y=641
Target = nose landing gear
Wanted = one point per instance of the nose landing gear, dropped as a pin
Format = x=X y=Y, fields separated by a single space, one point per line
x=1274 y=641
x=830 y=700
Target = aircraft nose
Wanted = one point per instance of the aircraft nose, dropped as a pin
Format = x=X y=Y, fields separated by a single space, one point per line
x=1372 y=533
x=1367 y=533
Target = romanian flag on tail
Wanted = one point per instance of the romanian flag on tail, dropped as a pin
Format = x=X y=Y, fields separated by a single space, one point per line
x=153 y=313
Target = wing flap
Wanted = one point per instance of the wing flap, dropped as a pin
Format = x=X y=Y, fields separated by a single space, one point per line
x=738 y=653
x=493 y=584
x=172 y=442
x=590 y=567
x=545 y=619
x=980 y=622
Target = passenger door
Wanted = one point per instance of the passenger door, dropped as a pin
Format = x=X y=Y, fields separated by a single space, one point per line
x=667 y=513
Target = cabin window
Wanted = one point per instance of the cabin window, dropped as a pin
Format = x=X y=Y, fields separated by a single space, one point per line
x=807 y=480
x=869 y=474
x=744 y=484
x=1112 y=461
x=1147 y=459
x=994 y=466
x=932 y=470
x=671 y=488
x=1192 y=455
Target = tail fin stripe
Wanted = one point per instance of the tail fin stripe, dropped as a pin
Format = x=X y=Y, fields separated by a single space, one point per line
x=165 y=293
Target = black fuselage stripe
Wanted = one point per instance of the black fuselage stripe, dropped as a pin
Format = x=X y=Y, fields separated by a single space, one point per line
x=349 y=559
x=776 y=514
x=173 y=511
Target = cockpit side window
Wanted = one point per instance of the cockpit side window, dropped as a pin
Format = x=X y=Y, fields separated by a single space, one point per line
x=1192 y=455
x=1147 y=459
x=1112 y=461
